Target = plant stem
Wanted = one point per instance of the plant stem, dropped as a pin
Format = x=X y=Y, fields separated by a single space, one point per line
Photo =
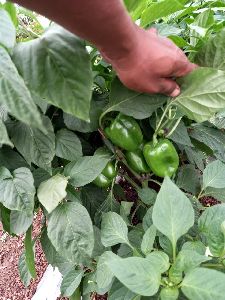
x=162 y=117
x=213 y=266
x=134 y=184
x=174 y=127
x=174 y=251
x=155 y=181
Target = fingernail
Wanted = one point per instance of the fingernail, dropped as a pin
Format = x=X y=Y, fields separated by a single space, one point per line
x=176 y=92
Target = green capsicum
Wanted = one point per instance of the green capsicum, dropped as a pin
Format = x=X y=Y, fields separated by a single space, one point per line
x=105 y=179
x=137 y=161
x=161 y=157
x=125 y=132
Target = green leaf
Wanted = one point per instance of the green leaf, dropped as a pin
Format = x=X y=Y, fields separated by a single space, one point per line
x=29 y=253
x=147 y=195
x=20 y=221
x=53 y=257
x=147 y=220
x=120 y=292
x=125 y=209
x=98 y=246
x=125 y=101
x=135 y=8
x=25 y=275
x=218 y=194
x=197 y=246
x=57 y=68
x=68 y=145
x=212 y=138
x=113 y=230
x=76 y=124
x=213 y=175
x=86 y=169
x=17 y=189
x=70 y=231
x=185 y=261
x=110 y=204
x=159 y=260
x=160 y=9
x=104 y=276
x=5 y=218
x=33 y=144
x=188 y=179
x=212 y=52
x=137 y=274
x=92 y=198
x=148 y=240
x=200 y=26
x=14 y=94
x=210 y=225
x=168 y=216
x=11 y=9
x=202 y=94
x=4 y=138
x=40 y=175
x=196 y=157
x=70 y=282
x=204 y=284
x=7 y=30
x=180 y=135
x=52 y=191
x=11 y=159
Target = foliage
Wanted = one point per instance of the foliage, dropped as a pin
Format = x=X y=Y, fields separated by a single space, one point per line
x=143 y=237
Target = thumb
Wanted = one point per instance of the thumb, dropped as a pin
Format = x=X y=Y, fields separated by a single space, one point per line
x=169 y=87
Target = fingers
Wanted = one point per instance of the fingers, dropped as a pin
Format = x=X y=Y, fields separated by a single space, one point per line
x=169 y=87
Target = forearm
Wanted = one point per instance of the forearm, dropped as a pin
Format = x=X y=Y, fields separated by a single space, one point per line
x=105 y=23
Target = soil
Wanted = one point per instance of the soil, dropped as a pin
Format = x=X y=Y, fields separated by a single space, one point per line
x=11 y=287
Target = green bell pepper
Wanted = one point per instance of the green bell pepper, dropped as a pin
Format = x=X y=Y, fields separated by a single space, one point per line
x=162 y=157
x=125 y=132
x=137 y=161
x=105 y=179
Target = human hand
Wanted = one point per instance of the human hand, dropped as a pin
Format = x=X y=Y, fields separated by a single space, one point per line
x=153 y=64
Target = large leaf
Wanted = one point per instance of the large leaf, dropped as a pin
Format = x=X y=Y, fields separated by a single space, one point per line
x=168 y=212
x=114 y=230
x=70 y=231
x=11 y=159
x=7 y=30
x=214 y=174
x=4 y=138
x=210 y=225
x=200 y=26
x=17 y=189
x=20 y=221
x=148 y=240
x=86 y=169
x=29 y=253
x=14 y=94
x=161 y=9
x=202 y=94
x=52 y=191
x=212 y=52
x=104 y=276
x=137 y=105
x=180 y=135
x=212 y=138
x=33 y=144
x=119 y=292
x=188 y=179
x=23 y=270
x=160 y=260
x=185 y=261
x=137 y=274
x=70 y=282
x=57 y=68
x=204 y=284
x=68 y=145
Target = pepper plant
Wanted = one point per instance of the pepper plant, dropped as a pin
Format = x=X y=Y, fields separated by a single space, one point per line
x=131 y=186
